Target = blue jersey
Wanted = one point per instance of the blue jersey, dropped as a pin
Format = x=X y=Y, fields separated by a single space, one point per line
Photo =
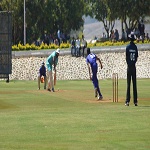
x=131 y=54
x=91 y=58
x=42 y=71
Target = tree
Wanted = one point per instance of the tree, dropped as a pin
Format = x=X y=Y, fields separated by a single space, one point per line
x=69 y=14
x=104 y=11
x=50 y=15
x=129 y=11
x=44 y=16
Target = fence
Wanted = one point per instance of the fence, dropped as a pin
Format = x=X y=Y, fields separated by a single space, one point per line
x=5 y=44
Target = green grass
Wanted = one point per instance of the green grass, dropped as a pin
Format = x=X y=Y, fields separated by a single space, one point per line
x=71 y=118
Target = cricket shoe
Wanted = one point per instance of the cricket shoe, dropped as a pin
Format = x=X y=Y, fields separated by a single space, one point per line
x=53 y=90
x=100 y=97
x=136 y=104
x=49 y=90
x=126 y=104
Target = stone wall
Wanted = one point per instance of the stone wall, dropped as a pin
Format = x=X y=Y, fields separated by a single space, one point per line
x=72 y=68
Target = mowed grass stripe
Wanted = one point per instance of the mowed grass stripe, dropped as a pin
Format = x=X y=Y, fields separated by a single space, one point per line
x=72 y=118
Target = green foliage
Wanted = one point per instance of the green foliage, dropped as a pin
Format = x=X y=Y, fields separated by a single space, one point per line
x=118 y=43
x=108 y=11
x=50 y=15
x=65 y=45
x=44 y=16
x=21 y=47
x=15 y=48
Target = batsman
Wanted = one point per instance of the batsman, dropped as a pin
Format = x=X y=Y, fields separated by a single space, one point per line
x=92 y=68
x=52 y=61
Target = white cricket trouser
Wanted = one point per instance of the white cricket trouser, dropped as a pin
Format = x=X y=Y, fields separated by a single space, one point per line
x=50 y=80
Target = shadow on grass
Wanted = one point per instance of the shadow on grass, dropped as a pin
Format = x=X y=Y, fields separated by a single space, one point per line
x=4 y=105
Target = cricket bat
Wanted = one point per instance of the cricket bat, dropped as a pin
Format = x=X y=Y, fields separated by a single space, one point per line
x=55 y=78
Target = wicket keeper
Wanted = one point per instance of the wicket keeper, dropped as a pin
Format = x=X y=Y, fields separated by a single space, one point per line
x=92 y=68
x=42 y=72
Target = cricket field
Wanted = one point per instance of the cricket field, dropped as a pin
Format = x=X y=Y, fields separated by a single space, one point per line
x=71 y=118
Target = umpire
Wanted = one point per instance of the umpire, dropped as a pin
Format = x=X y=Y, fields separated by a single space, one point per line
x=131 y=59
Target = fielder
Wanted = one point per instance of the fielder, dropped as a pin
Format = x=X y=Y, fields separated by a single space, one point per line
x=52 y=61
x=131 y=59
x=92 y=67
